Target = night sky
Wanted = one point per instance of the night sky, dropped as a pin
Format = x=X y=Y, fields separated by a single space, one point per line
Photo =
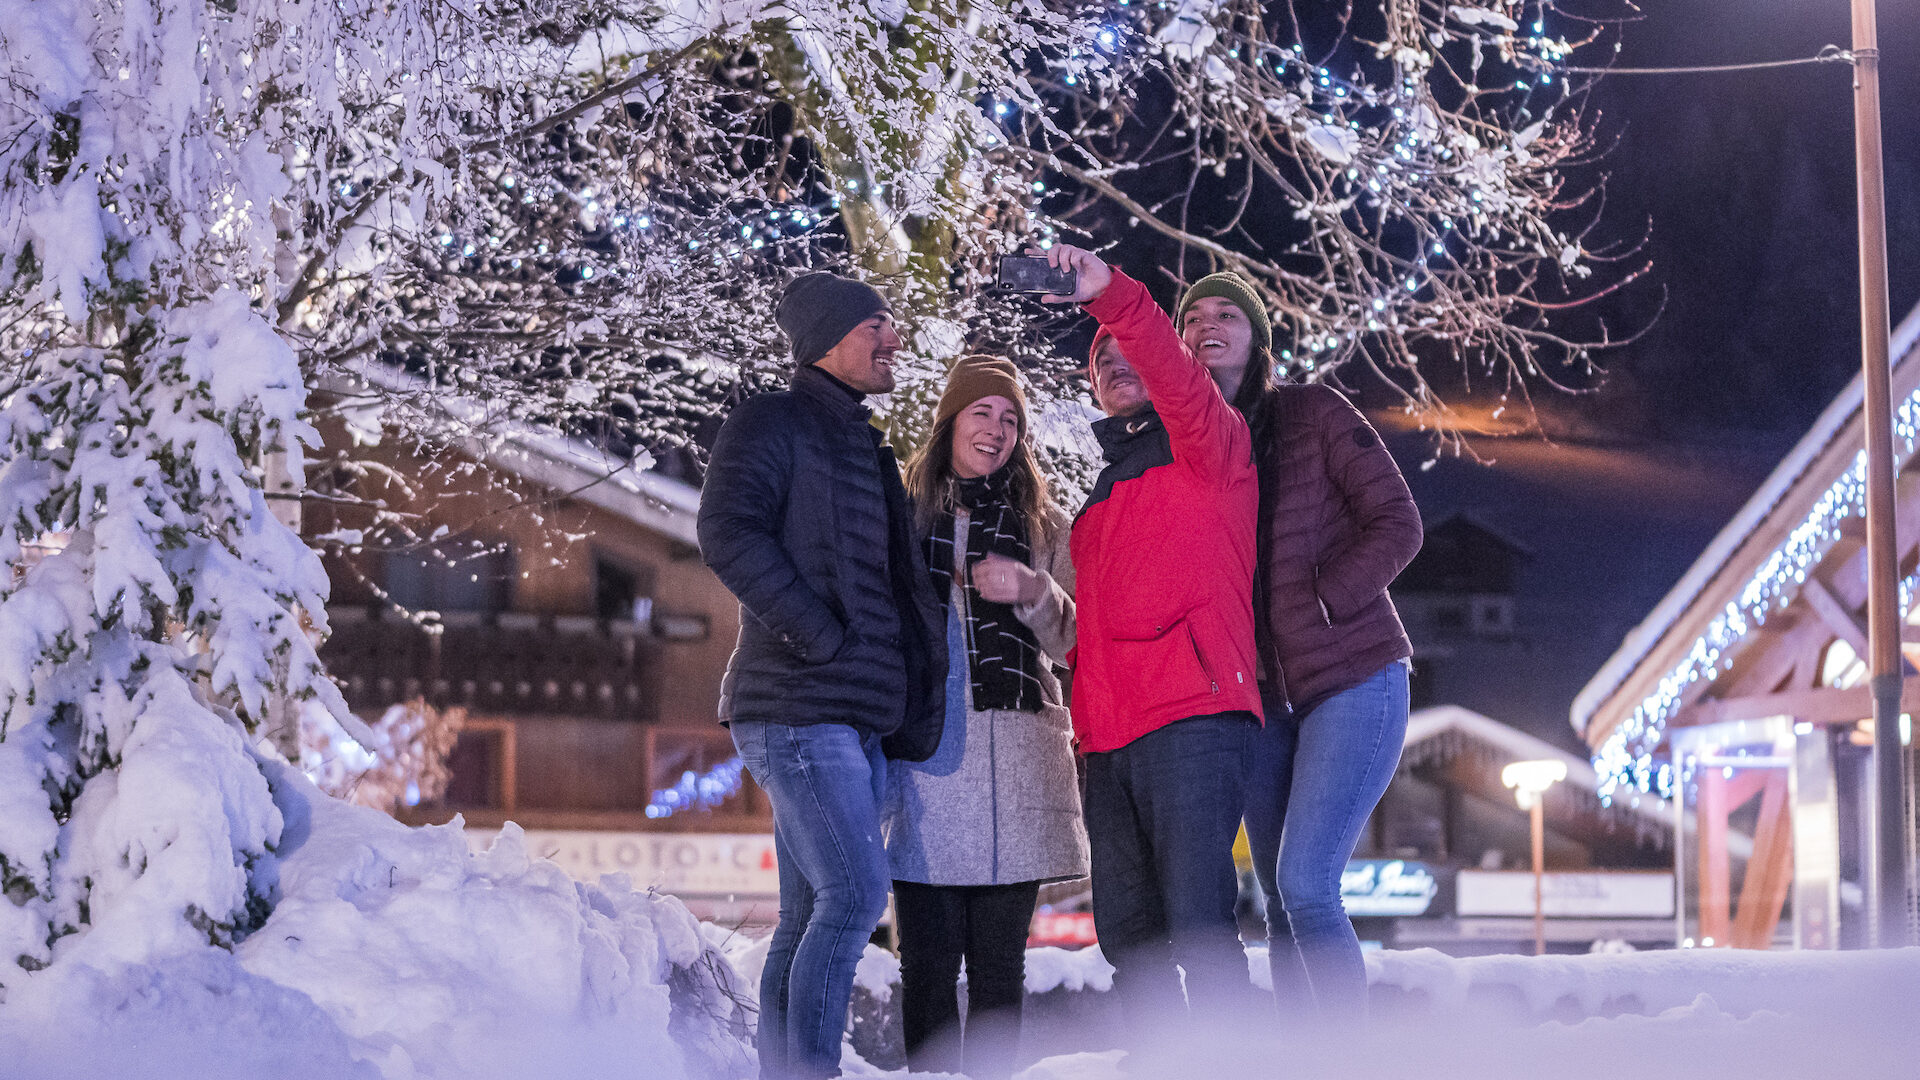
x=1747 y=182
x=1744 y=184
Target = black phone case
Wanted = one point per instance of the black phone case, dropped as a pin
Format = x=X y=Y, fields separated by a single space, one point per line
x=1030 y=274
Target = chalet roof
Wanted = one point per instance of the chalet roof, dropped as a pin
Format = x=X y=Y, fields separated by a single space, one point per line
x=546 y=457
x=1755 y=567
x=1466 y=520
x=1443 y=732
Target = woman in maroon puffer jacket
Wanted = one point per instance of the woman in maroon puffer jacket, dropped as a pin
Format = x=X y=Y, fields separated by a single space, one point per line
x=1337 y=525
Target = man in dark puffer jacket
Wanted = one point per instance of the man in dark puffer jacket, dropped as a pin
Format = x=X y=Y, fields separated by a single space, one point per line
x=803 y=517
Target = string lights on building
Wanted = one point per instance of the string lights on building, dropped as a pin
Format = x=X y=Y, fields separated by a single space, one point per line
x=1627 y=758
x=699 y=791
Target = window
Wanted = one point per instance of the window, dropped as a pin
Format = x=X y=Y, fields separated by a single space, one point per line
x=481 y=767
x=622 y=592
x=1493 y=616
x=423 y=581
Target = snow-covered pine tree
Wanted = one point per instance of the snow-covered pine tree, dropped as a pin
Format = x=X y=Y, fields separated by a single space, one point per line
x=159 y=166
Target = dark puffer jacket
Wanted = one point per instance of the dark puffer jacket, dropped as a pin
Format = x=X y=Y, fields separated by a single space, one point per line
x=1337 y=525
x=804 y=519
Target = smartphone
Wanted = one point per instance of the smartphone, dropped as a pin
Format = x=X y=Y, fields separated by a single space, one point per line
x=1033 y=274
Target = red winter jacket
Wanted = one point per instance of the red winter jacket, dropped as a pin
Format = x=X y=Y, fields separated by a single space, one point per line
x=1163 y=552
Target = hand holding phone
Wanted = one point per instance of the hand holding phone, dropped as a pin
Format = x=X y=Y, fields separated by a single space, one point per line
x=1035 y=274
x=1091 y=273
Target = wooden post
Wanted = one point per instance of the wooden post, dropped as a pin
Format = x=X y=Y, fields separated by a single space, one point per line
x=1883 y=602
x=1716 y=902
x=1538 y=816
x=1769 y=869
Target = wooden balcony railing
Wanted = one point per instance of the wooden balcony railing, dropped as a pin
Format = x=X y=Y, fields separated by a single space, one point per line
x=514 y=664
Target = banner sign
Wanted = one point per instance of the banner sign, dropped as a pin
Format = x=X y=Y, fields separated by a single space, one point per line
x=1598 y=894
x=737 y=865
x=1387 y=888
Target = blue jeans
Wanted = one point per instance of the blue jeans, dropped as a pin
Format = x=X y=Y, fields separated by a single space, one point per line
x=1162 y=814
x=1314 y=781
x=826 y=783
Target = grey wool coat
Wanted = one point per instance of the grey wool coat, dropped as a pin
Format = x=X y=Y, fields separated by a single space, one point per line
x=999 y=802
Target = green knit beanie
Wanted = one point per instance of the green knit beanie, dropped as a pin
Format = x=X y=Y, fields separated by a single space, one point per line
x=1234 y=288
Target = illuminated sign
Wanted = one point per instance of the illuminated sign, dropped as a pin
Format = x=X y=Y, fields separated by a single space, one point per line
x=1598 y=894
x=1387 y=888
x=1073 y=929
x=684 y=864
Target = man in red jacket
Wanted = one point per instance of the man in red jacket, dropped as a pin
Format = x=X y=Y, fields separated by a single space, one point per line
x=1165 y=700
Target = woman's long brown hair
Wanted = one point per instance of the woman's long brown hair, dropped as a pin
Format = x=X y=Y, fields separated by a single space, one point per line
x=1251 y=399
x=929 y=481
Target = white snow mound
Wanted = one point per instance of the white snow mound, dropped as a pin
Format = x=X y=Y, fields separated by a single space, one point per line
x=393 y=952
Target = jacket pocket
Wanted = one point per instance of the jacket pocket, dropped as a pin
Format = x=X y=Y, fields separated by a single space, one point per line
x=1200 y=657
x=1161 y=661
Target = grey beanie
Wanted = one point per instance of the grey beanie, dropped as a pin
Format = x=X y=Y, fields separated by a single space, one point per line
x=819 y=309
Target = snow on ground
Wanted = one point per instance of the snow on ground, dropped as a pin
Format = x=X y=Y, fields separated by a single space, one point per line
x=393 y=952
x=1692 y=1014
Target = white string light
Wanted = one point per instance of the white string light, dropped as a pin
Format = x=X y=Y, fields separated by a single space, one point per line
x=1626 y=759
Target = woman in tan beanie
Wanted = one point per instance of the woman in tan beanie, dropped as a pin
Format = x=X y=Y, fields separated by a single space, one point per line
x=974 y=831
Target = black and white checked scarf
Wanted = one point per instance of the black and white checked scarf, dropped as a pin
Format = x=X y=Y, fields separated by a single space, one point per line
x=1002 y=655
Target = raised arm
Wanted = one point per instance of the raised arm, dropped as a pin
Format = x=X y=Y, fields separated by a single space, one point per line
x=1389 y=533
x=1207 y=434
x=742 y=505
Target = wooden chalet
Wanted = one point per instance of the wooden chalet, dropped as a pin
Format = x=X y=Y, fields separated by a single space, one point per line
x=1743 y=696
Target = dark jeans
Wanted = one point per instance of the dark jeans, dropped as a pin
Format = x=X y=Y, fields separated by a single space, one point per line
x=1315 y=780
x=1162 y=814
x=940 y=926
x=825 y=782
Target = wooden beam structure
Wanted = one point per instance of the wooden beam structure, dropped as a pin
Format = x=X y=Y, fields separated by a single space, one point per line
x=1770 y=872
x=1818 y=705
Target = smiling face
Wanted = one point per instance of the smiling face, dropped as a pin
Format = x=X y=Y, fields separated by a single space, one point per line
x=864 y=358
x=1117 y=388
x=1219 y=334
x=984 y=435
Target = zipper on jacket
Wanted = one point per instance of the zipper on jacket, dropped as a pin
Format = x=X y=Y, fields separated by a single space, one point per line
x=1201 y=659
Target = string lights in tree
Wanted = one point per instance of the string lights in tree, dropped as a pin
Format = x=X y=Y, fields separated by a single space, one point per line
x=1394 y=178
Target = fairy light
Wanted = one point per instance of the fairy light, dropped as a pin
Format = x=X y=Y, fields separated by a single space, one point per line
x=699 y=791
x=1626 y=759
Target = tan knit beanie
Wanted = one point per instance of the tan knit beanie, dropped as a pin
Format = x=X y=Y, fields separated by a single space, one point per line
x=977 y=376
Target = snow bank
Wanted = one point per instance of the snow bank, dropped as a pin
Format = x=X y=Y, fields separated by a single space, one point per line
x=1737 y=983
x=393 y=952
x=1689 y=1015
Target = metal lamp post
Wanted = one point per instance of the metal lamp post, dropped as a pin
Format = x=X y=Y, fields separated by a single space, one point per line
x=1530 y=781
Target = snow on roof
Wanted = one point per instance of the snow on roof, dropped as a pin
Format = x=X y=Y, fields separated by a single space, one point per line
x=1432 y=723
x=547 y=457
x=1689 y=608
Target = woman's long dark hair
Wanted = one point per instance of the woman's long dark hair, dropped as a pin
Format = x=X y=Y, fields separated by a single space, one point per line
x=929 y=481
x=1256 y=386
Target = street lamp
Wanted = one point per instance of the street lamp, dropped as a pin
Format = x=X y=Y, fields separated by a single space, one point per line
x=1530 y=781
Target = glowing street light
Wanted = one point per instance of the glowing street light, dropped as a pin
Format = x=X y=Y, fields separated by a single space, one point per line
x=1530 y=781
